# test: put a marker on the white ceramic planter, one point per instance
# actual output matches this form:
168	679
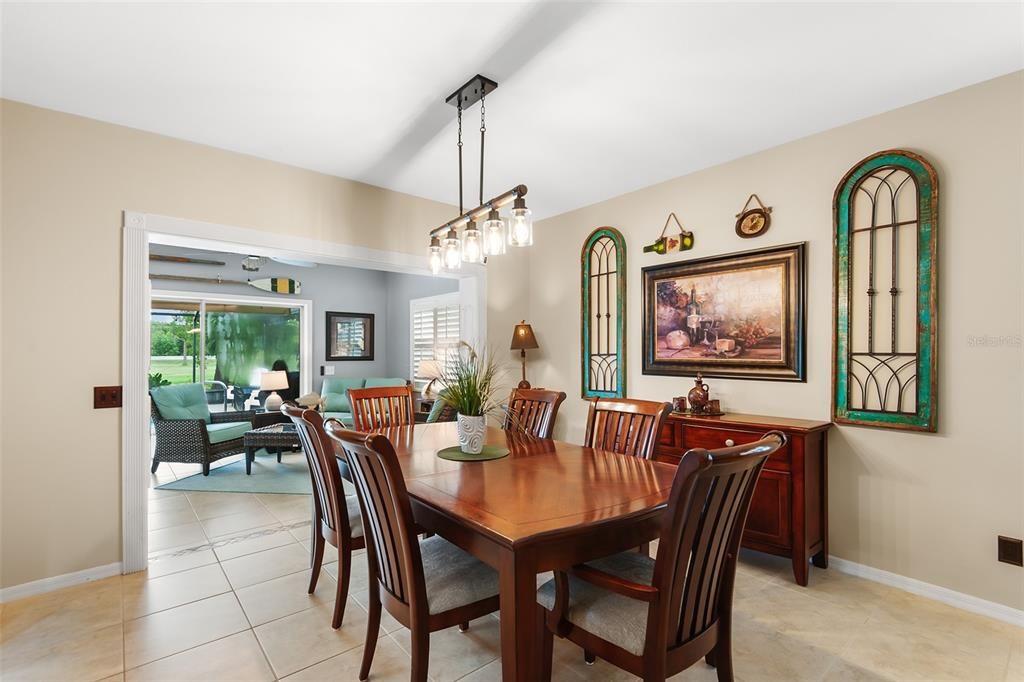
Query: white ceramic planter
471	433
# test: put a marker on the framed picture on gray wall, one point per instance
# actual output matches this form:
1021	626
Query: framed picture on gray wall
349	336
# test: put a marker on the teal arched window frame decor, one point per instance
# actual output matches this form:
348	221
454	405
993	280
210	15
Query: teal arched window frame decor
603	314
882	375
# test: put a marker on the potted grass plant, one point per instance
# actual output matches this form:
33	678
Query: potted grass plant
471	388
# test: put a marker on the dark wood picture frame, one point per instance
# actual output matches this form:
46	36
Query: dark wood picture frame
742	361
333	318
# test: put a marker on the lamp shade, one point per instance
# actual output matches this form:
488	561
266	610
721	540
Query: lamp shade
273	381
429	369
523	338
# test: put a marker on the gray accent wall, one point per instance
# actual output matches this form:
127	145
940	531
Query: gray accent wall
331	288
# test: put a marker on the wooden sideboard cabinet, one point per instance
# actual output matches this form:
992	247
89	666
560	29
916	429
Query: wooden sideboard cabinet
789	512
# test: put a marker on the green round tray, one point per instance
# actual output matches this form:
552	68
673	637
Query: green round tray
489	452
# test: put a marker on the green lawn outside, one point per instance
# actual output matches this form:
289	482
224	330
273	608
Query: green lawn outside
178	371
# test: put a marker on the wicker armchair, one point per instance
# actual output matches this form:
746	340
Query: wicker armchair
189	441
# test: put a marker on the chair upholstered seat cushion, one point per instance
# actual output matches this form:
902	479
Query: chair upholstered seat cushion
453	577
221	432
181	401
355	519
612	617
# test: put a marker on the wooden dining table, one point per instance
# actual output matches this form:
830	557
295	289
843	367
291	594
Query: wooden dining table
548	505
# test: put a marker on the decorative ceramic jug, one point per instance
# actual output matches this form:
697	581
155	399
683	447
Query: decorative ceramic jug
699	395
471	433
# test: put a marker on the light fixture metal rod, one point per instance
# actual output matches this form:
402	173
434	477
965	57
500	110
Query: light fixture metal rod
481	210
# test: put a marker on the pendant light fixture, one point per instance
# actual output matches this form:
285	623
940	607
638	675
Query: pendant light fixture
447	249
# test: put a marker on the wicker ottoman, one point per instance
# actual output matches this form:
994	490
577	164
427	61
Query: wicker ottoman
275	437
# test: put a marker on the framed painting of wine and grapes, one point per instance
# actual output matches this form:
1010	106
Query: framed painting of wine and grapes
740	315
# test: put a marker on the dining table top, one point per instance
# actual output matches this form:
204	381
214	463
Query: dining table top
543	486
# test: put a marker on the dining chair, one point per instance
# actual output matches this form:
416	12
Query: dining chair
336	517
625	426
426	585
657	617
533	411
380	407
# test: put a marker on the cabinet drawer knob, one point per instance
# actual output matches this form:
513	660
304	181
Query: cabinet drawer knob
729	442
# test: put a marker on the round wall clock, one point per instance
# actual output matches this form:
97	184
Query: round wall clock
753	222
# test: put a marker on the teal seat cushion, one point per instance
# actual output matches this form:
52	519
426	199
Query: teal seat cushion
345	417
181	401
378	382
335	392
221	432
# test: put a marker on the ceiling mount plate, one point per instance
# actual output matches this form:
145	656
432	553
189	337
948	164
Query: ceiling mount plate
471	91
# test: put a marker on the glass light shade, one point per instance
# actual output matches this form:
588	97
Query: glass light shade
520	227
435	255
452	251
494	234
472	245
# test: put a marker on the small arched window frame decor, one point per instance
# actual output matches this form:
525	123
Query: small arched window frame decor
886	293
603	314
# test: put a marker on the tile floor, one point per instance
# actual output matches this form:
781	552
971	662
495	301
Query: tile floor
225	599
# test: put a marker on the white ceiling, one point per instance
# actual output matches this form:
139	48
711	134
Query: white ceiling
594	100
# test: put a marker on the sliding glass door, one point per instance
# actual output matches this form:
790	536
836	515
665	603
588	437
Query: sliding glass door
225	346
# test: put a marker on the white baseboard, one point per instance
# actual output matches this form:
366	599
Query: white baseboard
58	581
945	595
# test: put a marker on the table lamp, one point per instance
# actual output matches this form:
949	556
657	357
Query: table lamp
428	369
273	382
523	339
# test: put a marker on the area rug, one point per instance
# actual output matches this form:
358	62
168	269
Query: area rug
290	477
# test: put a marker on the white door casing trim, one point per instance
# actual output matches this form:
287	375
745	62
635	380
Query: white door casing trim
142	229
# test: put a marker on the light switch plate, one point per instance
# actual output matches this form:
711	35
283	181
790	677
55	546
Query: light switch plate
328	370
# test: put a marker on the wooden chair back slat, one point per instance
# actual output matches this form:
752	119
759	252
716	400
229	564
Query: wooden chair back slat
393	547
700	537
381	407
533	411
328	491
628	427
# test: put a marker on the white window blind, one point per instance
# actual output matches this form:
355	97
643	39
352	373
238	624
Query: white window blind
436	330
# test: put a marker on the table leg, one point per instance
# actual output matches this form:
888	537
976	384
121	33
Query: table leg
250	455
519	639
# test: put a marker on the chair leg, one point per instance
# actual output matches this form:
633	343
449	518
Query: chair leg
464	626
317	561
344	574
589	657
420	654
709	658
547	645
722	656
372	629
156	463
206	468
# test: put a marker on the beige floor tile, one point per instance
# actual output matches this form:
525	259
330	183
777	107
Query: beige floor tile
359	578
454	654
233	523
78	655
762	653
1015	665
291	511
387	622
114	678
65	612
187	535
169	519
161	564
183	627
306	638
237	657
266	565
284	596
155	494
212	505
270	499
250	541
168	501
390	664
144	595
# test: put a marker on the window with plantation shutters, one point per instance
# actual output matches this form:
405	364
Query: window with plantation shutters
436	330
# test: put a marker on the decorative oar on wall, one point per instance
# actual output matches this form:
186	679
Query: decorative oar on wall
276	285
184	259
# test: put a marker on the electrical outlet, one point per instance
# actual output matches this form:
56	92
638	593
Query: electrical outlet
106	396
1011	551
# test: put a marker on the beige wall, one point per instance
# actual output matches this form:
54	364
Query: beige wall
66	180
924	506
